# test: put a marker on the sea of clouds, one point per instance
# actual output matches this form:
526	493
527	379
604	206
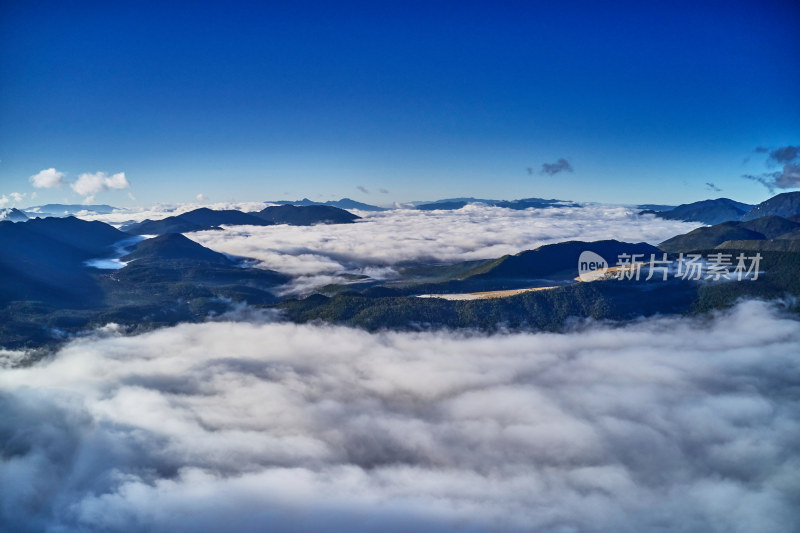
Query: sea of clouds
667	424
380	242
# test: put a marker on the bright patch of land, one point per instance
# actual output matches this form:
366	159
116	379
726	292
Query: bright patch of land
483	295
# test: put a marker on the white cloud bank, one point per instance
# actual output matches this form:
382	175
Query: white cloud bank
322	254
670	424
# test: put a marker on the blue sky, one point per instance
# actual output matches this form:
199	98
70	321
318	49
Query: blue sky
648	101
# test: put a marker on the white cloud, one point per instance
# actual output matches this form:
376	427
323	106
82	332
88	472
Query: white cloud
91	184
47	179
12	198
201	197
669	424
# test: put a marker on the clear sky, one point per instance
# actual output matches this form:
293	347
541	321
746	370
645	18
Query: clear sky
646	101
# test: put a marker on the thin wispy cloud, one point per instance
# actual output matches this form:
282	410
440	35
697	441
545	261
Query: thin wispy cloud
551	169
362	189
711	187
788	177
780	156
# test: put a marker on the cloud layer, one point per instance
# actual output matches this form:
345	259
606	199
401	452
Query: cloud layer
671	424
378	243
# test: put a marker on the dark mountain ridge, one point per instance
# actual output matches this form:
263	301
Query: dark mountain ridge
308	215
547	265
196	220
205	219
706	211
785	205
344	203
751	235
47	290
712	212
43	258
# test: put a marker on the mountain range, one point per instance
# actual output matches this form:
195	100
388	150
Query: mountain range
43	259
785	204
705	211
306	215
207	219
725	210
62	210
766	233
344	203
450	204
49	289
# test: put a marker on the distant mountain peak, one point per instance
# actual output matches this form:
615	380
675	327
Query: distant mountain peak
344	203
713	211
60	210
306	215
785	205
13	215
755	232
205	219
